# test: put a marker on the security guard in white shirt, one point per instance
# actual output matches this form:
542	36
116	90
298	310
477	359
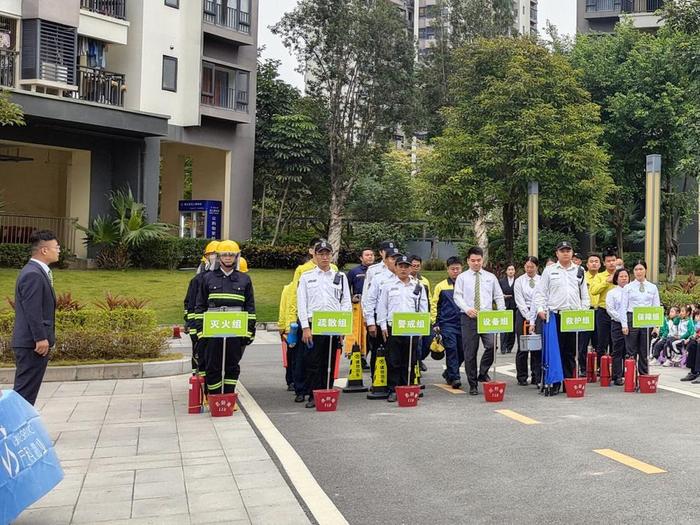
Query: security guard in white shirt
476	290
403	293
562	287
370	296
320	289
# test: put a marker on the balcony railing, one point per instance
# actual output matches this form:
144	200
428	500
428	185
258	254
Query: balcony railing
18	228
8	67
98	85
221	15
113	8
623	6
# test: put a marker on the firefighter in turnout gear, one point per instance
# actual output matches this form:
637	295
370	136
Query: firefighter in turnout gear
208	263
225	288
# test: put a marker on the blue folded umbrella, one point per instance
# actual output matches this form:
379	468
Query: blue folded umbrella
551	356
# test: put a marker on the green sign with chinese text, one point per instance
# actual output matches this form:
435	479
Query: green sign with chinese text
225	324
494	322
577	320
410	323
647	316
331	323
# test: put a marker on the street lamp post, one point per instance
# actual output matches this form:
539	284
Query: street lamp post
653	216
533	225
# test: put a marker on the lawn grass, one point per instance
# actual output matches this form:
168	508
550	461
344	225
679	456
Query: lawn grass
165	290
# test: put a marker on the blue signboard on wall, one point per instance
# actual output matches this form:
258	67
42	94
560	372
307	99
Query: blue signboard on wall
203	218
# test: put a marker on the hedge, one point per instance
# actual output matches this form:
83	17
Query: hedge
175	253
689	263
90	334
14	255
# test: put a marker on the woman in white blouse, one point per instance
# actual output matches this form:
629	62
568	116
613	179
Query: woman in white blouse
613	304
523	293
639	292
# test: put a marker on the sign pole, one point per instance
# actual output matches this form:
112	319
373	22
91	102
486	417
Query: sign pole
223	365
495	353
330	351
576	360
410	358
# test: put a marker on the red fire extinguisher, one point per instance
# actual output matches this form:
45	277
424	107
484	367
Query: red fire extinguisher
605	364
630	370
591	362
195	395
336	370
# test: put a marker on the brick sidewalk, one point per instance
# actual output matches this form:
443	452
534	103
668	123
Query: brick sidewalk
132	455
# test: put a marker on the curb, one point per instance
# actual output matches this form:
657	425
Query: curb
108	371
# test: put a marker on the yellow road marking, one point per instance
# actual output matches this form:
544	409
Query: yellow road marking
518	417
448	388
629	461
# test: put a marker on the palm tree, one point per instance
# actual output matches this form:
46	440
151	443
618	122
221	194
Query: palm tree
129	228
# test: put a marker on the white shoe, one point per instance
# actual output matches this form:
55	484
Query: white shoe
653	362
666	364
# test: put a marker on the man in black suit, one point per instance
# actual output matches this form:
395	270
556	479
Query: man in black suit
507	282
35	305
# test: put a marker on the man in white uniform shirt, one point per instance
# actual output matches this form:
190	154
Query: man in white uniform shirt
562	287
320	289
476	290
402	293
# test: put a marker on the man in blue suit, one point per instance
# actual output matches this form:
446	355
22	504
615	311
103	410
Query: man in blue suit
35	305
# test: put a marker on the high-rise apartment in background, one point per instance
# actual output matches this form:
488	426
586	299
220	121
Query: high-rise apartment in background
602	15
127	92
422	16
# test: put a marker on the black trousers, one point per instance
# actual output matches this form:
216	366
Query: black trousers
195	357
522	357
508	338
692	361
470	340
291	357
658	347
398	349
583	339
214	360
637	345
29	373
567	350
618	352
604	328
315	363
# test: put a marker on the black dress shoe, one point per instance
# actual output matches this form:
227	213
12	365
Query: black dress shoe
444	376
365	366
299	398
619	382
456	384
423	368
522	382
310	404
290	388
392	397
485	378
535	382
690	377
473	391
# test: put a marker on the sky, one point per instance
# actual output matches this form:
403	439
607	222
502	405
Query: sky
561	13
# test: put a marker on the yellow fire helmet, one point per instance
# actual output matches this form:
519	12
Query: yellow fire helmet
211	247
228	247
242	265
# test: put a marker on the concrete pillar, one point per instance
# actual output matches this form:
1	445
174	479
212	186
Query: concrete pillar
240	193
652	238
171	183
151	176
78	195
533	219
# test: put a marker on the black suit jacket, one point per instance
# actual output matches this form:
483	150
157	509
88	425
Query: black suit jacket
35	308
508	290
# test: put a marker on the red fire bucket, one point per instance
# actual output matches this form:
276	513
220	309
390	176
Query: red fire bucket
407	396
648	383
494	391
222	405
575	387
326	400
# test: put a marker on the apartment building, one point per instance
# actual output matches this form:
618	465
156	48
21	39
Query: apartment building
602	15
127	92
423	17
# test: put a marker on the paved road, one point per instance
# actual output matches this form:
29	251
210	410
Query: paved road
455	460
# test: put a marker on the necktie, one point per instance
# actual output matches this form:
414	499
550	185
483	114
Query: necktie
51	278
532	282
477	291
641	287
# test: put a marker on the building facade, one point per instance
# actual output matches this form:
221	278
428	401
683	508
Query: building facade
156	95
602	15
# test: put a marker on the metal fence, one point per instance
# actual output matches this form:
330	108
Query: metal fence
8	66
98	85
113	8
18	228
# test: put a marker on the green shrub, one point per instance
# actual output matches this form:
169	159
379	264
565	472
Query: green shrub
678	298
689	263
169	253
13	255
90	334
433	265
